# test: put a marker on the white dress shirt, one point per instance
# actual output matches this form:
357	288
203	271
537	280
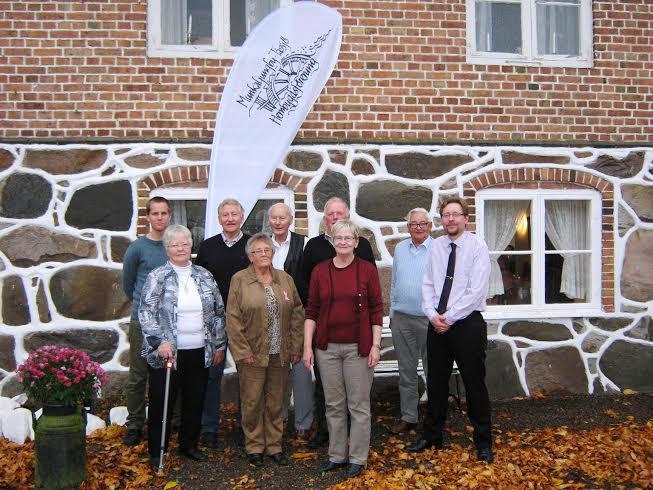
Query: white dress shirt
281	251
471	277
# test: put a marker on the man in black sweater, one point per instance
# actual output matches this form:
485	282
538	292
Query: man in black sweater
318	249
222	255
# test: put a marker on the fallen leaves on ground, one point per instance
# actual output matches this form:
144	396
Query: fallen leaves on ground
550	458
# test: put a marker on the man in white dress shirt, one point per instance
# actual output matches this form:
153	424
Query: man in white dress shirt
288	252
454	290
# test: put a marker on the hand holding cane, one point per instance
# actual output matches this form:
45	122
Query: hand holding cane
168	365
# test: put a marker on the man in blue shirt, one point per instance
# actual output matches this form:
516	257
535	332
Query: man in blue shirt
407	321
142	256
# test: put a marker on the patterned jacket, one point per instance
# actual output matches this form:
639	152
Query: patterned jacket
158	313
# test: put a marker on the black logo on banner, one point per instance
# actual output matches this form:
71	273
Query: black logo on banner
278	85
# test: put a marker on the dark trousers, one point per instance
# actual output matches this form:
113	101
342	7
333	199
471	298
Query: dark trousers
465	342
190	377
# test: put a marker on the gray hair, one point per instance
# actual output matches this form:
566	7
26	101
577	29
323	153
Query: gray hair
333	199
283	205
418	210
346	225
174	230
230	202
259	237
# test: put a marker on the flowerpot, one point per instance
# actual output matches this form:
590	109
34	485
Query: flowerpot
60	448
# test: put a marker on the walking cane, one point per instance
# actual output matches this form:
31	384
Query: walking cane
165	412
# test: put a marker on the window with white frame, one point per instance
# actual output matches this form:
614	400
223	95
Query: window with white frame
203	28
533	32
189	209
545	251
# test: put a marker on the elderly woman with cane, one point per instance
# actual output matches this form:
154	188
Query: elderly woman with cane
183	321
344	315
264	322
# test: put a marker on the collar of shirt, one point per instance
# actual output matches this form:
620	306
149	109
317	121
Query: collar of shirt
426	244
328	238
285	242
460	241
231	243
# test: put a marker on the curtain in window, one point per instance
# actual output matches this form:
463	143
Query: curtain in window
501	218
257	9
566	226
174	28
558	28
483	26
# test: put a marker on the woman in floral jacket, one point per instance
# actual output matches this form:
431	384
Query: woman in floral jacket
183	321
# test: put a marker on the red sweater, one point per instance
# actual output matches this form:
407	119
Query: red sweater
365	310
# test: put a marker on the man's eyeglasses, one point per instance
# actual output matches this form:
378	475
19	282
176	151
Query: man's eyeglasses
452	215
179	245
346	239
420	224
262	251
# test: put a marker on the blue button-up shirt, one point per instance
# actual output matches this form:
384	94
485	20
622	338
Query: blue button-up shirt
408	267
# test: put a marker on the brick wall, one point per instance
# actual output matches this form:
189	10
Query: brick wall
79	71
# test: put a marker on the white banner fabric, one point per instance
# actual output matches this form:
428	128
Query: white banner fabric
273	83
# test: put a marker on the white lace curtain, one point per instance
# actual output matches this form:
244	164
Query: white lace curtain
174	22
566	225
257	9
558	27
501	218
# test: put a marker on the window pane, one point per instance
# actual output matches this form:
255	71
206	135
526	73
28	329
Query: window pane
567	225
558	27
567	278
245	14
186	21
507	225
515	281
258	219
498	27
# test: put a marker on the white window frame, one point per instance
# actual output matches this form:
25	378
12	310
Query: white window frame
529	54
538	308
220	48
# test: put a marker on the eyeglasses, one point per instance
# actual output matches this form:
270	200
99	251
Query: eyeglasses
346	239
179	245
452	215
421	224
262	251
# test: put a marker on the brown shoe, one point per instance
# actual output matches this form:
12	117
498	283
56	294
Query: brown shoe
402	426
303	435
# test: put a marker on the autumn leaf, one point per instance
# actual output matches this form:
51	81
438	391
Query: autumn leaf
170	484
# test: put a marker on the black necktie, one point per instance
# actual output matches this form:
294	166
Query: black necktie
448	281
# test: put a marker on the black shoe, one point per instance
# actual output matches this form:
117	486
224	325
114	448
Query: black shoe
353	470
133	437
255	459
319	440
330	466
154	462
485	454
280	458
421	444
193	454
209	439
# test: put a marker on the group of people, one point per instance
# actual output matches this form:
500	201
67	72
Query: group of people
292	310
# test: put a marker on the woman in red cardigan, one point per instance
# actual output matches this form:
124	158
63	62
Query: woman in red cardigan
343	321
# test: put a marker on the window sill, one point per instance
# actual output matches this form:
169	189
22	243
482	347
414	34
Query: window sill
527	313
205	52
562	61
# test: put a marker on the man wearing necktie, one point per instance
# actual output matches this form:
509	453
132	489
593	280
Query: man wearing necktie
454	289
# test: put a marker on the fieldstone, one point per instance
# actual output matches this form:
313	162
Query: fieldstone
89	293
625	221
376	154
7	358
42	304
15	308
100	344
369	235
25	196
12	387
106	206
391	244
338	156
625	308
502	377
124	326
640	198
145	161
360	166
123	358
59	162
115	388
386	200
637	270
548	332
593	342
452	183
119	245
515	157
578	326
642	330
423	166
556	371
624	168
306	161
32	245
6	159
332	184
194	154
629	365
492	328
385	277
592	365
610	324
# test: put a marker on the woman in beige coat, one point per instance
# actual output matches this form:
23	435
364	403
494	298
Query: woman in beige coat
265	331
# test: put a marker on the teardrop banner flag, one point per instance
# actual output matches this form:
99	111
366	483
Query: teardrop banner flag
273	83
